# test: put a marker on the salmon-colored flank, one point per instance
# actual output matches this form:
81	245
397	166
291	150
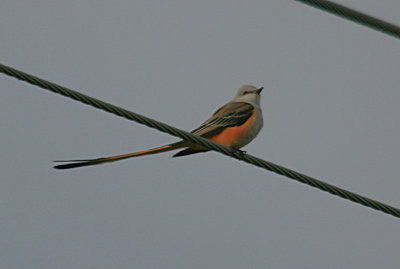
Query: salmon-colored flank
232	137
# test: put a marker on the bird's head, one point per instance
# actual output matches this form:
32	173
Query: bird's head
248	93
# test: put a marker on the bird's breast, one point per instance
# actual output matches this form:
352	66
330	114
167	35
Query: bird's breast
239	136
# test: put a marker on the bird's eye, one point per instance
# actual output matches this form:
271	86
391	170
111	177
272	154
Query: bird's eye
245	92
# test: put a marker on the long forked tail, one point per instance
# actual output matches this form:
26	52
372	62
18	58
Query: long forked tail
80	163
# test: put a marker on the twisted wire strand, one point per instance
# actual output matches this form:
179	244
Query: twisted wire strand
355	16
201	141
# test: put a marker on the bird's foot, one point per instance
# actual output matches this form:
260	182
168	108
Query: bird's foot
241	152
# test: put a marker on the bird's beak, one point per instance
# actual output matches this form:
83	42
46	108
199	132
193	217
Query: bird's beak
259	90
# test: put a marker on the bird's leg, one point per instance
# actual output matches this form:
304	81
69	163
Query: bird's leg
241	152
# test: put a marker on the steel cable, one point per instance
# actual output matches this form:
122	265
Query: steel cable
201	141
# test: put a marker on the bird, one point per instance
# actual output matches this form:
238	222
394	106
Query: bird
234	125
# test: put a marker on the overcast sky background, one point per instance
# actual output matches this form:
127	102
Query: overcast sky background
331	111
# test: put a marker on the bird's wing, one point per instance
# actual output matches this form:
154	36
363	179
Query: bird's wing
230	115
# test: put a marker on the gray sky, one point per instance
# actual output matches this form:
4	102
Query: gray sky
331	110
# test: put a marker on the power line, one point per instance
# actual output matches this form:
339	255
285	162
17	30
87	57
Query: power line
201	141
355	16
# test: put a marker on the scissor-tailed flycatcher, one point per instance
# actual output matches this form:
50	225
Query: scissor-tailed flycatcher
233	125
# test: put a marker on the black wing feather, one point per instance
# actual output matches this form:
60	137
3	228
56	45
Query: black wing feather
221	120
